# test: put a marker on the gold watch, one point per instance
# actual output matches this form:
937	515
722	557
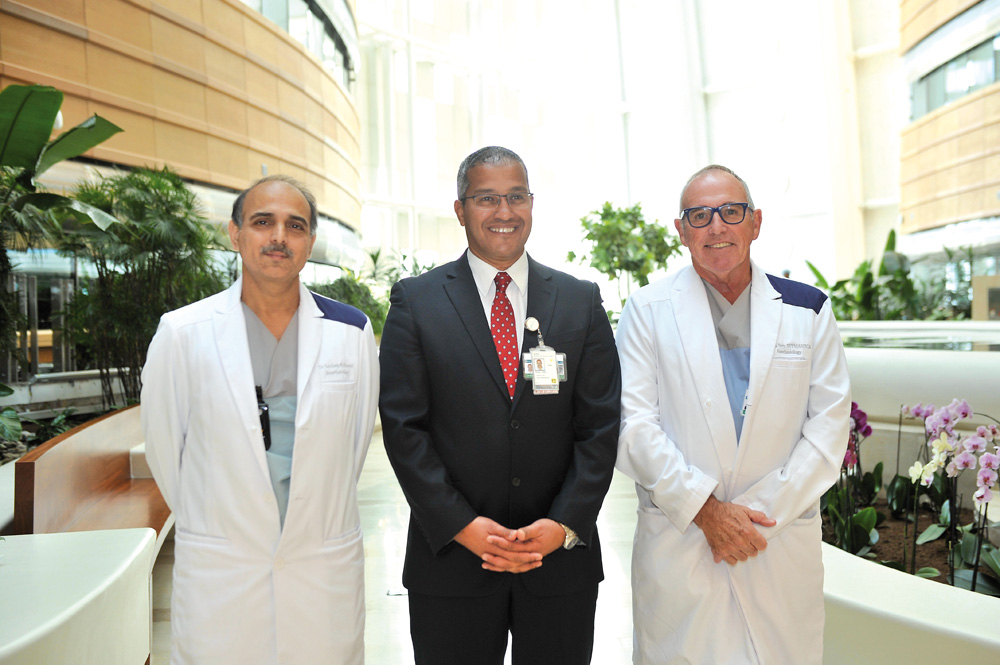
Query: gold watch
572	540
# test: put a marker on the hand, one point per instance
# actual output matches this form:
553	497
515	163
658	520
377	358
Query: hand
540	539
730	532
486	539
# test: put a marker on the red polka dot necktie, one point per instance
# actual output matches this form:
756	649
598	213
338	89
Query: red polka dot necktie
504	333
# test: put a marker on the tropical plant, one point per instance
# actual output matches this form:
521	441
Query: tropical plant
625	247
10	424
27	118
156	259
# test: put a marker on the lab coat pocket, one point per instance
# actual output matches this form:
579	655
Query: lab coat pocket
790	363
344	538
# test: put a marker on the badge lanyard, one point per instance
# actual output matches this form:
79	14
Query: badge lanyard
545	368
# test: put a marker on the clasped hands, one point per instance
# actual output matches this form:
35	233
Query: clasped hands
506	550
730	531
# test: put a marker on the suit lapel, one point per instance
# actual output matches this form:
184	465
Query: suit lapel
309	344
230	329
701	349
765	318
541	305
460	288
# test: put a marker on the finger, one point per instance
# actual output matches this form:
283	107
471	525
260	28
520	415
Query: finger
760	518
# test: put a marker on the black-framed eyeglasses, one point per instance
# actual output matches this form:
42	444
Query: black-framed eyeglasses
701	216
491	201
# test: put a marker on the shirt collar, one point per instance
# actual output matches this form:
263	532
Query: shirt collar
484	273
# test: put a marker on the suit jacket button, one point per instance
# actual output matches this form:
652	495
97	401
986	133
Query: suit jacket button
516	482
514	424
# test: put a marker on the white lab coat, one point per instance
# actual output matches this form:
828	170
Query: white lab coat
678	442
244	590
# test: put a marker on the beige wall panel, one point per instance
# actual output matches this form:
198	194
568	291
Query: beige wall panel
182	149
262	86
971	144
188	9
920	18
228	162
71	10
224	19
225	114
138	137
946	180
255	160
312	81
992	101
181	96
991	168
992	140
63	56
291	142
74	111
291	60
970	173
313	151
178	44
312	115
259	41
262	129
971	110
224	67
121	20
291	101
299	173
119	75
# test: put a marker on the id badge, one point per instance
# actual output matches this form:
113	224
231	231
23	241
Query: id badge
542	365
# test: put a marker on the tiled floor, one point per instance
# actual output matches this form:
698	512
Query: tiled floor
384	516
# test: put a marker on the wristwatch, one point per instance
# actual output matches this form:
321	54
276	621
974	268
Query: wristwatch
572	540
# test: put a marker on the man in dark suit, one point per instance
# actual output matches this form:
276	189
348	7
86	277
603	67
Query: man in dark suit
504	477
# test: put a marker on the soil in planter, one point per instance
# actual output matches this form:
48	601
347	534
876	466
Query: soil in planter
891	539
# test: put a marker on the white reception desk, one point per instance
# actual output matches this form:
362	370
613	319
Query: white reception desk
81	597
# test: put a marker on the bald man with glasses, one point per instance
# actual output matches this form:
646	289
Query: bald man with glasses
735	415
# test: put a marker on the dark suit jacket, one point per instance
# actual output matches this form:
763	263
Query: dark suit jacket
461	447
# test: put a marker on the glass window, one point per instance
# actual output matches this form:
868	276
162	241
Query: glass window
966	73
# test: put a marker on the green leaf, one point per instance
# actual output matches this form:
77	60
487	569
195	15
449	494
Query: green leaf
963	579
991	558
10	425
895	565
27	114
928	572
76	141
933	532
45	201
5	390
820	280
866	519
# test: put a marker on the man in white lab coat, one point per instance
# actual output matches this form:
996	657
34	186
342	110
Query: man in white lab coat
269	559
735	416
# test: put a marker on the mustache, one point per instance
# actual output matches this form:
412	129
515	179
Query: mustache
274	247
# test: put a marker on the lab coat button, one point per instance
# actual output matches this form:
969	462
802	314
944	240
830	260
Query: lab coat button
516	482
279	564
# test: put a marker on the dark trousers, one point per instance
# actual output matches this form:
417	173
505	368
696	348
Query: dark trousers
548	630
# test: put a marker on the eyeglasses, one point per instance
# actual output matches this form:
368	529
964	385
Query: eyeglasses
730	213
492	201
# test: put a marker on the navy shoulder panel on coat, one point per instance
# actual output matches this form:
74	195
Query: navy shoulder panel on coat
338	311
798	294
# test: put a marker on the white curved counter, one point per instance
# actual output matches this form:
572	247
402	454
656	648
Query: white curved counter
81	597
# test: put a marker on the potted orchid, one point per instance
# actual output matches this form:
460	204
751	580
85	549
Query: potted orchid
946	456
847	505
